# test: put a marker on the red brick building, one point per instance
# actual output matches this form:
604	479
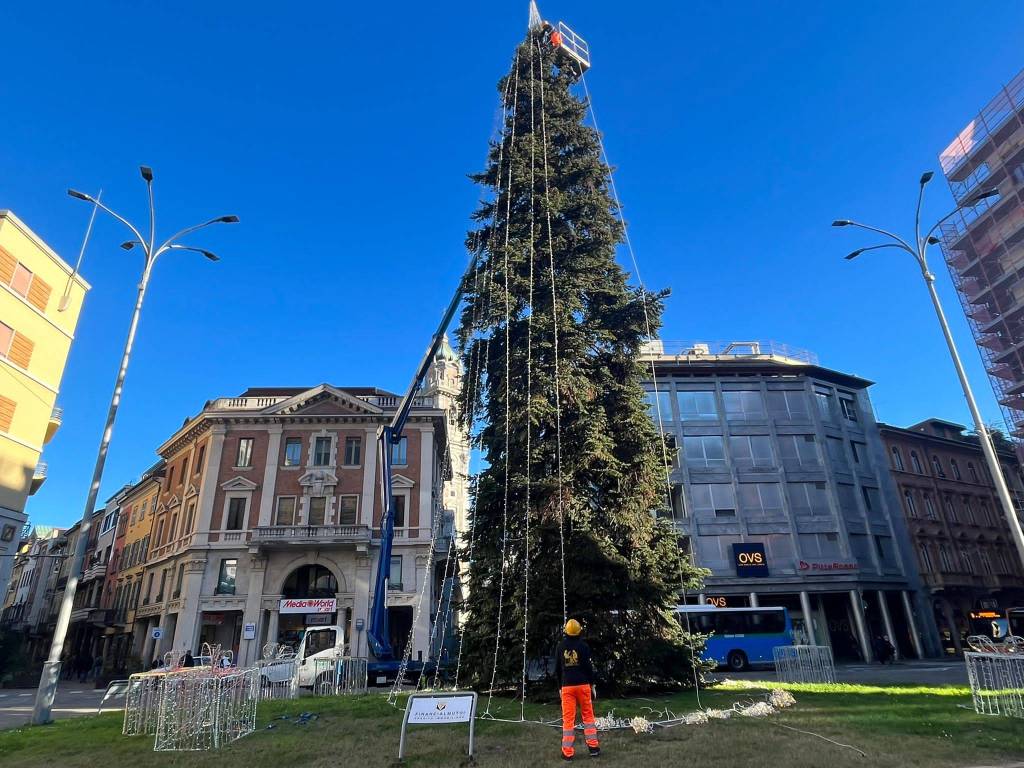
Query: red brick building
960	535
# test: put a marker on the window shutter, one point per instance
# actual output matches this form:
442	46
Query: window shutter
6	413
39	293
21	350
7	265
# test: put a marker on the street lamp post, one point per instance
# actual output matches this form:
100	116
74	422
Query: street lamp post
919	252
51	669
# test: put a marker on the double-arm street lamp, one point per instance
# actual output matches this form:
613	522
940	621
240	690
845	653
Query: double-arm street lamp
152	251
919	251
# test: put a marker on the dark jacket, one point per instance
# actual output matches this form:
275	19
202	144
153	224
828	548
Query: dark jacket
572	663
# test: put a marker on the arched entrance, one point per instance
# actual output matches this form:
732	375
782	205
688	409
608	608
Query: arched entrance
306	582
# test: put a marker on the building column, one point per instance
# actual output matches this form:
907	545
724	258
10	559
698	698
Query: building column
209	484
700	598
421	632
426	481
270	476
914	636
883	606
857	604
186	632
250	649
272	626
805	607
369	478
361	604
753	600
148	650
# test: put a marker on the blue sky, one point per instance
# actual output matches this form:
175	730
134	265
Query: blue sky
342	134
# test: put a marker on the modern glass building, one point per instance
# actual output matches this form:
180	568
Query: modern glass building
779	462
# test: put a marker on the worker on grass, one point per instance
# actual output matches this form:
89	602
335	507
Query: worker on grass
575	674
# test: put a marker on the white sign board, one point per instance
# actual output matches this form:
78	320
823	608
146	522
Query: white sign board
309	605
441	709
249	632
157	633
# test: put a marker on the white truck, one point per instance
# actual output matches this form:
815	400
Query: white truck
317	643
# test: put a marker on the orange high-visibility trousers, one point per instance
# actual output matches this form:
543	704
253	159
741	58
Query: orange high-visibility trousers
571	696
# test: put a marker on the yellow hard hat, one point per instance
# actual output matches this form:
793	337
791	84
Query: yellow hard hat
573	628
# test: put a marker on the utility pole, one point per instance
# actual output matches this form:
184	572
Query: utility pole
51	668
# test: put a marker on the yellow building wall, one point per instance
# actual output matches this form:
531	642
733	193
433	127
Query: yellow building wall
40	327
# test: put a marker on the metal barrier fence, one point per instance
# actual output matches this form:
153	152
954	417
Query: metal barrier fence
142	703
804	664
996	676
343	676
278	678
206	708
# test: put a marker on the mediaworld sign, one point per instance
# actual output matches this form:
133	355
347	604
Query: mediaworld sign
750	560
827	566
309	605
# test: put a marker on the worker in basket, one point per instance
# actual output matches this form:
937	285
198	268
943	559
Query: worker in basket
554	36
575	674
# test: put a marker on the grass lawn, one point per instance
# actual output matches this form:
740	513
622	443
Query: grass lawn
894	725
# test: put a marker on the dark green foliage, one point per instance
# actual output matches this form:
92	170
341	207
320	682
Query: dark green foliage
623	569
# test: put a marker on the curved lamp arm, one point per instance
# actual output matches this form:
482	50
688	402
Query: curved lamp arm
188	230
89	198
902	243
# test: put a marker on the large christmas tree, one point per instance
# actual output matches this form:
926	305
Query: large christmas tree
575	473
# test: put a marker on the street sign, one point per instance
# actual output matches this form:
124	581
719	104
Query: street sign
249	632
360	624
157	633
439	709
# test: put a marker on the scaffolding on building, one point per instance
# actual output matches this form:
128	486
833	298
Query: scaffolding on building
983	244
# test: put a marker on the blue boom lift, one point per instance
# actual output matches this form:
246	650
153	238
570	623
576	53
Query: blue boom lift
385	664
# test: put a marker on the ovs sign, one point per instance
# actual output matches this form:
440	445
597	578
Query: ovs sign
750	559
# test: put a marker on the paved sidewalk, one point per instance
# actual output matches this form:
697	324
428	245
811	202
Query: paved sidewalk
73	700
926	672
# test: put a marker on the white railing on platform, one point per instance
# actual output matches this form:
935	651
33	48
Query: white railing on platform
342	676
804	664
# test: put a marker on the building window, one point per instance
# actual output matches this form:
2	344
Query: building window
972	472
798	450
321	452
747	404
170	477
6	337
860	452
353	451
398	510
950	511
908	499
178	581
929	508
160	533
149	588
395	573
659	406
317	510
897	459
750	451
986	562
965	561
293	451
968	512
824	400
717	499
945	559
226	577
696	405
704	452
916	463
399	452
836	452
347	510
937	467
236	514
760	499
285	510
849	408
955	468
244	458
199	460
190	515
21	280
789	404
986	516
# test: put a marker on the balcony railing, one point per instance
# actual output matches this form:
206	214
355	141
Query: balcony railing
56	419
246	403
691	351
38	477
313	534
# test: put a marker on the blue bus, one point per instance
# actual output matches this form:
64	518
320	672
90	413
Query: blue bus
740	637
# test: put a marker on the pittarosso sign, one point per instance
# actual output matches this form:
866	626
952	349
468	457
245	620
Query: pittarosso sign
827	566
311	605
